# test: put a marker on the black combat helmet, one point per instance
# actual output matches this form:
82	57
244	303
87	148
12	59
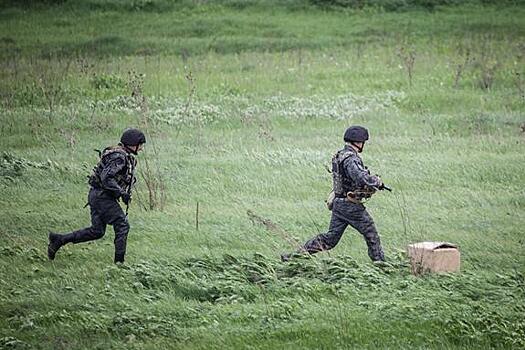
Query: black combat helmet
356	134
132	137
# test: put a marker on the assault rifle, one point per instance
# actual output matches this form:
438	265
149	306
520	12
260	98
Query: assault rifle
130	186
384	187
129	193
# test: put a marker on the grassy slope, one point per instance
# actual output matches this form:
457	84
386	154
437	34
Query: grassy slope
454	157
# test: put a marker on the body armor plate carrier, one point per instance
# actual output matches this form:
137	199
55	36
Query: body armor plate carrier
343	186
124	177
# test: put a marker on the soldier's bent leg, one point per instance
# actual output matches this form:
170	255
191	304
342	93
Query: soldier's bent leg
328	240
95	231
363	222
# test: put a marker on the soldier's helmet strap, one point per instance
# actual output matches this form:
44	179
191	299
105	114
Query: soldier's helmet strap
359	148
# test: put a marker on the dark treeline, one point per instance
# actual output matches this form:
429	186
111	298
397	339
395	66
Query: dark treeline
169	5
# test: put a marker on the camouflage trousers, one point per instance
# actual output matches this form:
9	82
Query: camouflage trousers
105	210
345	213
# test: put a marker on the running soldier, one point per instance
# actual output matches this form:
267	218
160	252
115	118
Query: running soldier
110	181
352	183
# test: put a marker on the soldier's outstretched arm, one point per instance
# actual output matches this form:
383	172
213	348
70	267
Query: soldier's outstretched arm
111	169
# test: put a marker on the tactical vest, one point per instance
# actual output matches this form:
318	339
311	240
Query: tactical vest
124	177
343	184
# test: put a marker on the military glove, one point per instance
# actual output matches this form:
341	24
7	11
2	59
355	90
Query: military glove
126	198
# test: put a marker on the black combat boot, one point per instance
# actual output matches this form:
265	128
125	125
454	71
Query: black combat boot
286	257
55	242
119	258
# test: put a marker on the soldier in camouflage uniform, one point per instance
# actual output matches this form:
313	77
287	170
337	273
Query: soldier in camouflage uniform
352	183
110	181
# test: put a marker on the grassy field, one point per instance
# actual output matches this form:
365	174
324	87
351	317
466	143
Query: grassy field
244	104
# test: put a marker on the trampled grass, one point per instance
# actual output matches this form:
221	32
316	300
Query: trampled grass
243	112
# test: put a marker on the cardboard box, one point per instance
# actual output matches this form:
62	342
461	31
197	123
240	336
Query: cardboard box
433	257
